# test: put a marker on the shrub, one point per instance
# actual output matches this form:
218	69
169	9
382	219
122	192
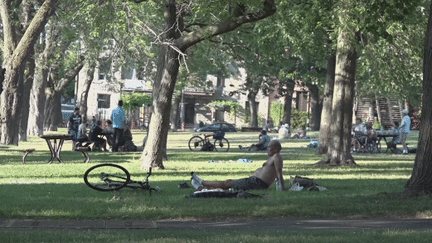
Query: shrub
298	118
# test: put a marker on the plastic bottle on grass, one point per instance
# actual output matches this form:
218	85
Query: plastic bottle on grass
278	185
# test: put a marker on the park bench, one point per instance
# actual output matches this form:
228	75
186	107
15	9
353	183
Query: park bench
84	149
27	152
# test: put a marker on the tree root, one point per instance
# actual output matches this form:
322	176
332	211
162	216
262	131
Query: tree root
328	162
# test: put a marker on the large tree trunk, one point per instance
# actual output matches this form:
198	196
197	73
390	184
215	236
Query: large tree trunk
326	111
343	97
15	57
86	88
421	177
37	100
158	128
174	42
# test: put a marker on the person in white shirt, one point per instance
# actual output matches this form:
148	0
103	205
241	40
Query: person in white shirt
404	130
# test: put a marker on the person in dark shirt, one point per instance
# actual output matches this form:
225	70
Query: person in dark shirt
74	123
94	136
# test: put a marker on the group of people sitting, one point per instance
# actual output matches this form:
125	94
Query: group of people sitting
97	134
366	133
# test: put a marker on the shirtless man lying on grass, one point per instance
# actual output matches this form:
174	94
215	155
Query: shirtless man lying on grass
262	179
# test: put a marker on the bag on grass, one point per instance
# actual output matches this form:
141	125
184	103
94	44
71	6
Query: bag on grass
207	147
305	182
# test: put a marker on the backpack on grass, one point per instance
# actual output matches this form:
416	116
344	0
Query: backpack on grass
207	146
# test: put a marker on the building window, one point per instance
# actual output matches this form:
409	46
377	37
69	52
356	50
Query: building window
101	76
104	101
104	68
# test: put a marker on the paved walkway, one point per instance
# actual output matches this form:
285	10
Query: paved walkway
221	225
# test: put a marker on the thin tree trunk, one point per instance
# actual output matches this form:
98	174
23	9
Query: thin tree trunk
326	111
253	109
421	177
315	108
28	11
53	117
288	101
28	84
86	88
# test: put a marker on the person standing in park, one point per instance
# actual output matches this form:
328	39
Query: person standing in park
405	128
73	125
118	118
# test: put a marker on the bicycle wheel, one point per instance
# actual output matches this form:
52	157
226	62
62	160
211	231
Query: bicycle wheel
370	147
106	177
378	146
221	145
355	145
196	143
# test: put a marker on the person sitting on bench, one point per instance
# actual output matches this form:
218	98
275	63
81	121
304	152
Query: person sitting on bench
262	178
82	135
94	136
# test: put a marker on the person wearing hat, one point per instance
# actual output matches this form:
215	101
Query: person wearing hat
73	125
404	129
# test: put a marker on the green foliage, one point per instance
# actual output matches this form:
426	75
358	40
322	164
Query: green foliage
231	104
377	125
298	118
135	100
276	112
69	92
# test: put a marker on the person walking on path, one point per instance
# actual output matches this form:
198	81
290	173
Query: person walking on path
73	125
262	178
404	130
118	118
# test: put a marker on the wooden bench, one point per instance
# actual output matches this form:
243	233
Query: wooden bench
27	152
84	149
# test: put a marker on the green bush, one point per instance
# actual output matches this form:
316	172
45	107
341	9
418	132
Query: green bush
298	118
277	112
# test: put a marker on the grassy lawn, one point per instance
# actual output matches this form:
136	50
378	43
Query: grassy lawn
38	190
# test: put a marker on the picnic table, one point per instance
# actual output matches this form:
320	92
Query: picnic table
55	147
384	135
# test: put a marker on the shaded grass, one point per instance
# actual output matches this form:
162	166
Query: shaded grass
57	191
223	236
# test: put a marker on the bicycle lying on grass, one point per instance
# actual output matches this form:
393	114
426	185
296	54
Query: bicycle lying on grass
111	177
220	143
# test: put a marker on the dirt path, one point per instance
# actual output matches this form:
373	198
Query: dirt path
221	225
